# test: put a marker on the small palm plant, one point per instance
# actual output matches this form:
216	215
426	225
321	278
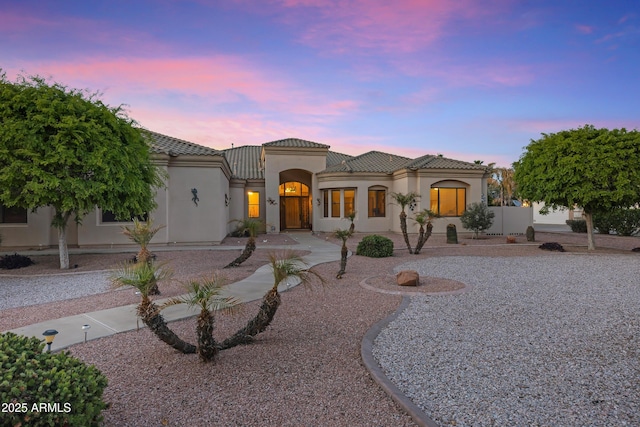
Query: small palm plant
405	200
286	265
424	218
141	233
344	236
143	276
351	216
207	295
251	227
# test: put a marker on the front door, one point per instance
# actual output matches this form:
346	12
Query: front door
294	206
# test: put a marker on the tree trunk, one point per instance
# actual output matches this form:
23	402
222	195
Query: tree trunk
207	345
591	243
422	239
343	260
403	227
246	253
151	317
270	304
352	227
60	221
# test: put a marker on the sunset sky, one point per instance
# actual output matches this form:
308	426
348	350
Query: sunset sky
469	79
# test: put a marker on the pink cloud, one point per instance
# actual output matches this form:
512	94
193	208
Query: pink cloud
401	26
207	81
585	29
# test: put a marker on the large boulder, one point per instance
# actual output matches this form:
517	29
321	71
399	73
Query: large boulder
408	278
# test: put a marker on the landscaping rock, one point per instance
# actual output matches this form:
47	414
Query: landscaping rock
408	278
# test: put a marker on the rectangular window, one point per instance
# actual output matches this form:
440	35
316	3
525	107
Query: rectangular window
253	203
335	203
376	203
13	215
325	203
349	202
448	201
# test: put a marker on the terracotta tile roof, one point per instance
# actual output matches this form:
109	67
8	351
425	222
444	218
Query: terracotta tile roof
373	161
245	161
437	162
164	144
334	158
295	142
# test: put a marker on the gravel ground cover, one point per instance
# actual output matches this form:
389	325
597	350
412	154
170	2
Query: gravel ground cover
306	368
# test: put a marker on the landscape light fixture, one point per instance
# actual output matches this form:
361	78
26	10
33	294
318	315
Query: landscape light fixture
86	328
49	335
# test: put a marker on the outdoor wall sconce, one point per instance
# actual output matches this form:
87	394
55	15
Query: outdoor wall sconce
195	198
49	335
86	328
271	201
226	199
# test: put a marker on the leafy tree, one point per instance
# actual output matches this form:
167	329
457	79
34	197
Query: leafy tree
405	200
251	227
477	218
596	169
64	148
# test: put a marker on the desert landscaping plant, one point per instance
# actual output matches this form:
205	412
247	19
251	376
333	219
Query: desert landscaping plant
285	266
577	225
10	262
143	276
531	234
425	219
452	234
477	218
70	390
375	246
351	216
250	227
344	252
405	200
206	294
141	233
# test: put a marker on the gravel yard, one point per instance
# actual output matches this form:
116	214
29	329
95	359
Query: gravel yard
559	336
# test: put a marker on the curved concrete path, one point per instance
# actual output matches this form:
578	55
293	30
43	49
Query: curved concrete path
122	319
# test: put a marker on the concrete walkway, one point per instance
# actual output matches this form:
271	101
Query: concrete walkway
122	319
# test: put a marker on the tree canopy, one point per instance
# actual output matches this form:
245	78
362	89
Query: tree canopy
65	148
595	169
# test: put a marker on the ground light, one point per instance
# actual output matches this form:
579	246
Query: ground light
49	335
86	328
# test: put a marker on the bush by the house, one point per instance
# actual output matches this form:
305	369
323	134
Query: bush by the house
623	222
10	262
70	390
577	225
375	246
477	218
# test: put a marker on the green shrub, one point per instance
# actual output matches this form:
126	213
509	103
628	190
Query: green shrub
375	246
624	222
577	225
47	389
10	262
477	218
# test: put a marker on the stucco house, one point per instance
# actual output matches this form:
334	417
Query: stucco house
290	184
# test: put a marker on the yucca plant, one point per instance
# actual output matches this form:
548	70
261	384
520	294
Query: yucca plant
405	200
424	218
344	252
351	216
285	265
141	233
207	295
143	276
251	227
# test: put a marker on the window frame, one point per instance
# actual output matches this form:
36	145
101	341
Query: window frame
374	211
436	205
15	212
253	206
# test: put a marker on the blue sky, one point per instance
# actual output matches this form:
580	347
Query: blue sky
469	79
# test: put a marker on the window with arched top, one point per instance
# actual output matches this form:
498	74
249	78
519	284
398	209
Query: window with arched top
448	198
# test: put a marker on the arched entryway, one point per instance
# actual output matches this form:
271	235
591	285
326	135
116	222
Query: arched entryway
295	206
